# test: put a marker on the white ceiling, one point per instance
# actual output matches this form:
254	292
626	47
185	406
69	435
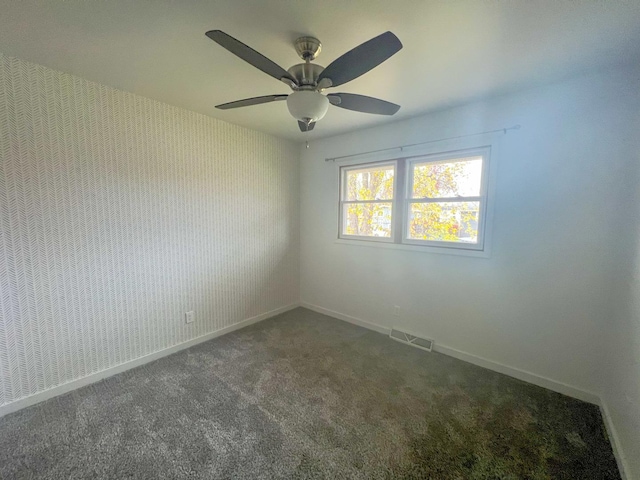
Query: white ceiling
454	51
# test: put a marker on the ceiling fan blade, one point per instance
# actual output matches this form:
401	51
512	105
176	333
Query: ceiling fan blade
249	55
362	103
304	128
251	101
361	59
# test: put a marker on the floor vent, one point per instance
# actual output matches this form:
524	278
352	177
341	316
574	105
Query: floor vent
413	340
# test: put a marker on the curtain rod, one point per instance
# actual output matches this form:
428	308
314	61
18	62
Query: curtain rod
401	147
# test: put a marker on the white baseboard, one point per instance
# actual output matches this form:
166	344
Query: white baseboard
347	318
621	459
523	375
96	377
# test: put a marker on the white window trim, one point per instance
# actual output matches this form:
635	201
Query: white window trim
342	192
485	153
492	143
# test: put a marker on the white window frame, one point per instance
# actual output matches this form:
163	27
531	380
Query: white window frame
481	199
342	202
401	201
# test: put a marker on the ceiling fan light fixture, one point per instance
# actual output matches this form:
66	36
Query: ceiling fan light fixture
307	106
307	80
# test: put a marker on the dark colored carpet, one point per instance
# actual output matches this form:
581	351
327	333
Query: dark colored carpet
306	396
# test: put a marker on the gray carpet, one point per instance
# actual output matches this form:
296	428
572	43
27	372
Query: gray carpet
303	395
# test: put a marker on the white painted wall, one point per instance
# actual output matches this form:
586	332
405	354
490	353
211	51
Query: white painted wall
543	302
117	215
621	392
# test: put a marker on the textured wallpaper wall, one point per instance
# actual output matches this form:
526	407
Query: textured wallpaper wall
118	214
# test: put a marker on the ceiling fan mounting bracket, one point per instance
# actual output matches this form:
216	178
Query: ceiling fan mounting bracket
308	48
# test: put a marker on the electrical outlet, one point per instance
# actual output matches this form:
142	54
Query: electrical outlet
396	311
189	317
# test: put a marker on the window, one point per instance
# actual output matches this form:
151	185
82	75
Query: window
435	200
367	201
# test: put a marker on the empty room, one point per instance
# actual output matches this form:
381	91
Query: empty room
291	239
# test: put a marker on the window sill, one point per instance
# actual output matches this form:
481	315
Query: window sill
416	248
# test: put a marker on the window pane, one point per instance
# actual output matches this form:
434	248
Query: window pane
367	219
444	221
371	183
457	178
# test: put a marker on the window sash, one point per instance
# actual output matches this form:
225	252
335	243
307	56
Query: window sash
478	245
438	159
390	238
343	179
343	195
441	160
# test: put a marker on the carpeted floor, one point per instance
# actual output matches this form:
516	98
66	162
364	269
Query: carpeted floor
303	395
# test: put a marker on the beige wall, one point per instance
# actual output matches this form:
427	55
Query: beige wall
119	214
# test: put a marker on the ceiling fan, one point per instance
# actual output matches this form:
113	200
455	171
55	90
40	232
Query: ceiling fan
307	103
